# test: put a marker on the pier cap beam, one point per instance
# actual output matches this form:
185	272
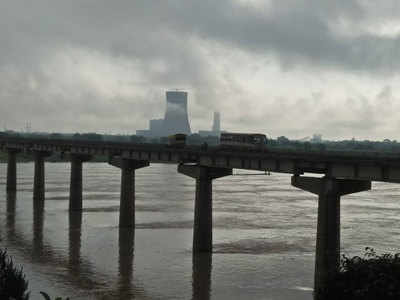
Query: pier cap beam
128	164
197	171
318	185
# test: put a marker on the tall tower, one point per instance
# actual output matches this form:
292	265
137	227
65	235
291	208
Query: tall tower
176	116
216	128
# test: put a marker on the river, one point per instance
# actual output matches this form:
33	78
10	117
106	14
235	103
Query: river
263	237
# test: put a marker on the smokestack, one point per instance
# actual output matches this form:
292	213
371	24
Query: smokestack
176	116
216	128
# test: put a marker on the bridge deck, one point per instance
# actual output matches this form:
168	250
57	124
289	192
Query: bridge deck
375	166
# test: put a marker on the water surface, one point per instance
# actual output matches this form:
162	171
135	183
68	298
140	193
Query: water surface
264	235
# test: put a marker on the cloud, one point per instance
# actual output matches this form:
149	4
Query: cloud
98	65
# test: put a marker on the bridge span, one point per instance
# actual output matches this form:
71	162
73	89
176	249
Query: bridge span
341	173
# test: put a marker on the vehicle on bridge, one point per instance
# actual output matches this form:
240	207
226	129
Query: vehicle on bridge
177	140
248	140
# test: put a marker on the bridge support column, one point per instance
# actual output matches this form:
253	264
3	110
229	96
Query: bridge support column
75	187
202	228
329	190
38	181
127	200
12	170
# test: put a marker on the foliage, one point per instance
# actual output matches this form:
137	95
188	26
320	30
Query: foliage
137	139
314	144
47	297
370	277
13	285
91	136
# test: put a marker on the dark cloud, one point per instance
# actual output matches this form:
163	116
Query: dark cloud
297	32
92	65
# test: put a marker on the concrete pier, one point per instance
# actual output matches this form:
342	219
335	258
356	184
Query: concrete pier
201	276
11	209
126	242
127	200
75	235
75	187
329	190
12	170
202	228
37	228
38	181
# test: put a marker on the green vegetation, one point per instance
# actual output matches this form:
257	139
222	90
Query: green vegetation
345	145
372	277
13	284
47	297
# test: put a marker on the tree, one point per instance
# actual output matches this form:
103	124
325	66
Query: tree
283	140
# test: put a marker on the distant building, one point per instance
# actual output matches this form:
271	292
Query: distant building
176	118
217	123
144	132
157	127
316	138
216	127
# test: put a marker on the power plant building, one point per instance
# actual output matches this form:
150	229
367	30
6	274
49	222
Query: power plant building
157	127
176	118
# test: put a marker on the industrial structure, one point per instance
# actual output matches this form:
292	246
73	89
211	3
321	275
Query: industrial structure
176	118
216	127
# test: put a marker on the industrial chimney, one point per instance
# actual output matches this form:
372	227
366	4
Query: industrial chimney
176	116
216	128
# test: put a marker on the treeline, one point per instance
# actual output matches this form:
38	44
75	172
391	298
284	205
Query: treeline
194	139
281	142
345	145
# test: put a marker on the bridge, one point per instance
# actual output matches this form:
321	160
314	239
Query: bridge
340	173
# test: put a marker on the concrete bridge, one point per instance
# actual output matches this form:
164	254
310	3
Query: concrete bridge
341	173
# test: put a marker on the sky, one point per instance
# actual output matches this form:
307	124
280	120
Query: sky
287	67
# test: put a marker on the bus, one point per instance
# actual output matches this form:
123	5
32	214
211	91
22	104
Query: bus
177	140
248	140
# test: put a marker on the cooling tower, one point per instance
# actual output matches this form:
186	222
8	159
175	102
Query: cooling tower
176	116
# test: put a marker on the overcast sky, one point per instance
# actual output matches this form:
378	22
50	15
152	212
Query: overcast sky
284	67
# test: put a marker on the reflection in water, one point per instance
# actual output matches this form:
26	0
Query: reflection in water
11	205
80	273
126	243
201	276
75	232
38	220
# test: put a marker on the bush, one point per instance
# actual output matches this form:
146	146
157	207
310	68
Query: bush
13	284
47	297
368	278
